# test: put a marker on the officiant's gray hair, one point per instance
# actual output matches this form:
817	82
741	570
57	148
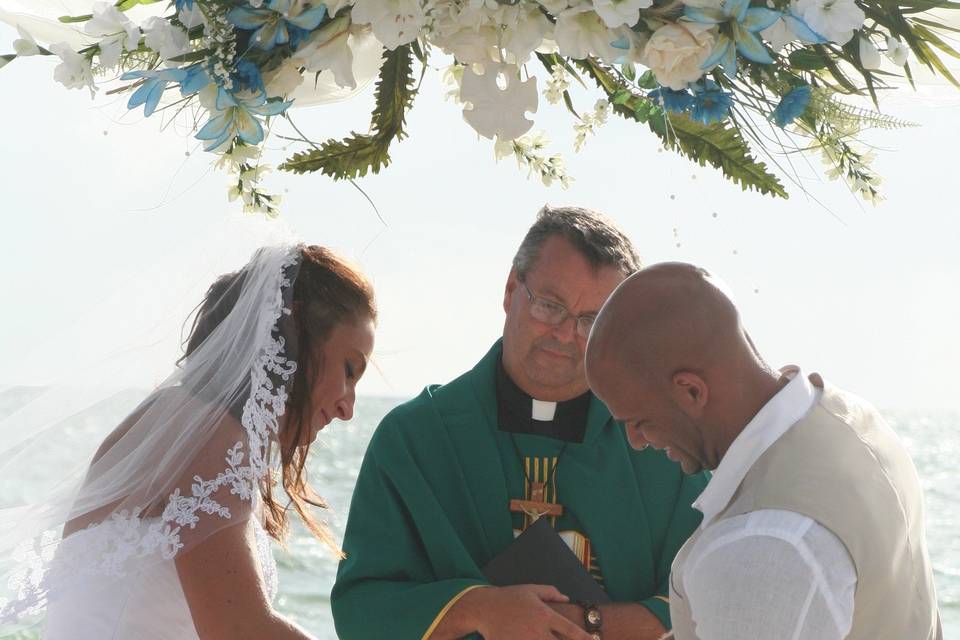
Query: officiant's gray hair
600	241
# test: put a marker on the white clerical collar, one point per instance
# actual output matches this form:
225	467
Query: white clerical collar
781	412
543	411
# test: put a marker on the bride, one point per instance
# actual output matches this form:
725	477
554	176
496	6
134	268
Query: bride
167	535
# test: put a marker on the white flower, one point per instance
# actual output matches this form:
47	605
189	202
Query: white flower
117	31
779	34
74	71
25	45
328	48
676	53
556	85
897	51
107	20
869	56
164	38
580	32
284	79
192	17
394	22
523	28
468	45
835	20
620	12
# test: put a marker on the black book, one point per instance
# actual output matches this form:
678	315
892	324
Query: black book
540	556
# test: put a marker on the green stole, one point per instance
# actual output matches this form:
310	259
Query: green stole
431	508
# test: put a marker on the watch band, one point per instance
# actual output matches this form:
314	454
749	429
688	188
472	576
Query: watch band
592	619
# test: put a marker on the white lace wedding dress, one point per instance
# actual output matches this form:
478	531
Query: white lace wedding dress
145	604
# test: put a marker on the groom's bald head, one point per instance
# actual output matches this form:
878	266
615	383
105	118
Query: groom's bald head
670	358
668	317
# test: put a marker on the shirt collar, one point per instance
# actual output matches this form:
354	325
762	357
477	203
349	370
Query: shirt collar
781	412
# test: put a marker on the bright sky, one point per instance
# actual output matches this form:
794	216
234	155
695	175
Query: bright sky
110	232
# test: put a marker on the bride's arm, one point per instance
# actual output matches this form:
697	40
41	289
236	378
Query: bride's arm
224	589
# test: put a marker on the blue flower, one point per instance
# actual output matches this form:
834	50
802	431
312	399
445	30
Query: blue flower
195	78
745	21
247	76
710	103
154	84
672	101
236	117
273	25
184	3
792	105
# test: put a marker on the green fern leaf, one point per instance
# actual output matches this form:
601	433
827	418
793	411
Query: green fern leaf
359	153
718	144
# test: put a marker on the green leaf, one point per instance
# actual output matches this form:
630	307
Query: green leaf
621	96
920	6
6	59
629	71
836	72
935	40
359	153
567	100
72	19
648	81
936	25
806	60
719	144
926	55
192	56
126	5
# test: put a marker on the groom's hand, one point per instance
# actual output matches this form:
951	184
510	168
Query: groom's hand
520	612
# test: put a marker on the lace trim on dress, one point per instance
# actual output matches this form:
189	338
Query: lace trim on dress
129	536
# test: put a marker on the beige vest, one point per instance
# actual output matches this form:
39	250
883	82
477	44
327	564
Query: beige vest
844	467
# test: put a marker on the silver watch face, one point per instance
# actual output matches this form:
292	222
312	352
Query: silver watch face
593	616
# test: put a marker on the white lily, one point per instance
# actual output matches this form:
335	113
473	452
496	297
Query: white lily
580	32
869	56
328	48
25	45
74	70
897	51
835	20
616	13
394	22
115	29
164	38
523	28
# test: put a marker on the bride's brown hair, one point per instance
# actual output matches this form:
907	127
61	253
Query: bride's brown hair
327	292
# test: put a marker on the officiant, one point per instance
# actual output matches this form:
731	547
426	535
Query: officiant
452	477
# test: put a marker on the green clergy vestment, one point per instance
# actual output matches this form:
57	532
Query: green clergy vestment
431	508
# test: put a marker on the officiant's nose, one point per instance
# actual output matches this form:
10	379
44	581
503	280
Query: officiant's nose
566	331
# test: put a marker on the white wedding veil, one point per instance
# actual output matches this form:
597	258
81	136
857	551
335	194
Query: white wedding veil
185	462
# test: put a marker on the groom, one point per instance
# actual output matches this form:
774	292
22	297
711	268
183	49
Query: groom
813	520
451	477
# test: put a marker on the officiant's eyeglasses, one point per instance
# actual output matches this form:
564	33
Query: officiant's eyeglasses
550	312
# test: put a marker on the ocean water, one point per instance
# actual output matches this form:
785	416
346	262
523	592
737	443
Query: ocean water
307	568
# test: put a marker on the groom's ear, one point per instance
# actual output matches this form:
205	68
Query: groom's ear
689	392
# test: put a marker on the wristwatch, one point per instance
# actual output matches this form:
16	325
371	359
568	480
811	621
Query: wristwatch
592	619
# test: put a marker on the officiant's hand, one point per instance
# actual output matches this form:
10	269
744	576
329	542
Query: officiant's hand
520	612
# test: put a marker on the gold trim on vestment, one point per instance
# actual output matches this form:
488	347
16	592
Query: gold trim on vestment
447	607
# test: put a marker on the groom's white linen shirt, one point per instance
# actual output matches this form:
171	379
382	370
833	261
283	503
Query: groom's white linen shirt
769	574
